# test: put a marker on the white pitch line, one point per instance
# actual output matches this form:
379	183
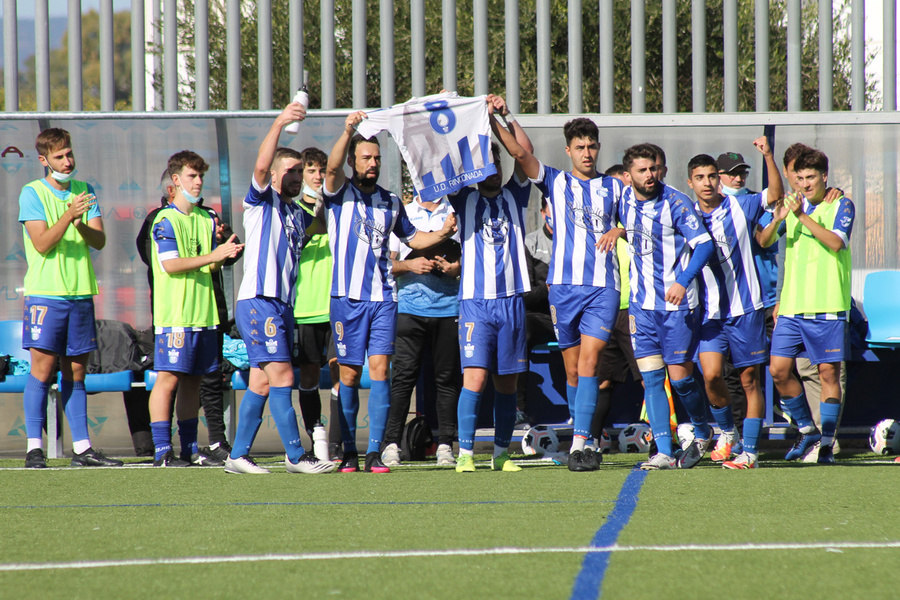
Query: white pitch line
197	560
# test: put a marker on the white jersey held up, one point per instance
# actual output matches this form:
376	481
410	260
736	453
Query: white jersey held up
445	141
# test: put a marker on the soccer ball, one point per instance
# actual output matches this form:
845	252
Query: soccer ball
540	439
605	444
635	438
685	435
884	438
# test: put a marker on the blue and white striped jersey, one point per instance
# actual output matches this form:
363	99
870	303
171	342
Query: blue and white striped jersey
582	212
276	235
660	233
493	241
731	285
359	226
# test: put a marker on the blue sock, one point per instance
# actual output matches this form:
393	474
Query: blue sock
571	393
724	417
585	405
658	409
752	428
282	409
688	392
829	410
162	438
504	418
799	410
467	417
250	414
34	402
349	398
187	433
379	405
74	401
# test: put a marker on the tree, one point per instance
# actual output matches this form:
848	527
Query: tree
528	44
90	59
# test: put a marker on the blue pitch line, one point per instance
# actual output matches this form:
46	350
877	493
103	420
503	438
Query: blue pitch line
411	503
589	582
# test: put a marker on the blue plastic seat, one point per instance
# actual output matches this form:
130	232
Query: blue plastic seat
11	343
881	296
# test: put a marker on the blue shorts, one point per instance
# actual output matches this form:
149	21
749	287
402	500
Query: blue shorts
358	326
824	340
673	334
267	327
744	335
188	352
492	335
63	327
579	310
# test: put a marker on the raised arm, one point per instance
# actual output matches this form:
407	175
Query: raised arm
262	171
776	186
334	170
514	139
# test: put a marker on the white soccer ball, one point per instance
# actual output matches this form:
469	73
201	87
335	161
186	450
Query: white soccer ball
686	435
635	438
605	443
540	439
884	438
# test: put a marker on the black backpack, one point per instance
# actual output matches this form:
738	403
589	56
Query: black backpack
417	439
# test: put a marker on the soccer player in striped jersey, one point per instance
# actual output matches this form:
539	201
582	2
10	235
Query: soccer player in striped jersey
669	246
277	229
361	215
491	309
61	223
732	298
584	276
184	255
815	301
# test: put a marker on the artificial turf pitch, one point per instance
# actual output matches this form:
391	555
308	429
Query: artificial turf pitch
782	531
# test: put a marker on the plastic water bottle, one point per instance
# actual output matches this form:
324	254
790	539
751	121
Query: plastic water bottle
320	442
303	98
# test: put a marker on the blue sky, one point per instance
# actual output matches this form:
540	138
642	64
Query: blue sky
60	8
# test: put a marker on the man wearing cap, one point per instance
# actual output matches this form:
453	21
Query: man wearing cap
733	173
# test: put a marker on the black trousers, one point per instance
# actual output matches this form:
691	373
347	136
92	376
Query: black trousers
414	335
212	398
538	330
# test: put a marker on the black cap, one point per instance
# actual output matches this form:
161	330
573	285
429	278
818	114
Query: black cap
729	161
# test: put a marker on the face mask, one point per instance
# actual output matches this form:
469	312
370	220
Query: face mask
732	191
308	191
548	222
62	177
188	197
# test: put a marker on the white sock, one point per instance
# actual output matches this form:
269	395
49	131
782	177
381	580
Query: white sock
81	446
577	443
464	452
35	444
498	450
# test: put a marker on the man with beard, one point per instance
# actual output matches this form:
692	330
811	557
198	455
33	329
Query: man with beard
276	228
361	215
669	247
